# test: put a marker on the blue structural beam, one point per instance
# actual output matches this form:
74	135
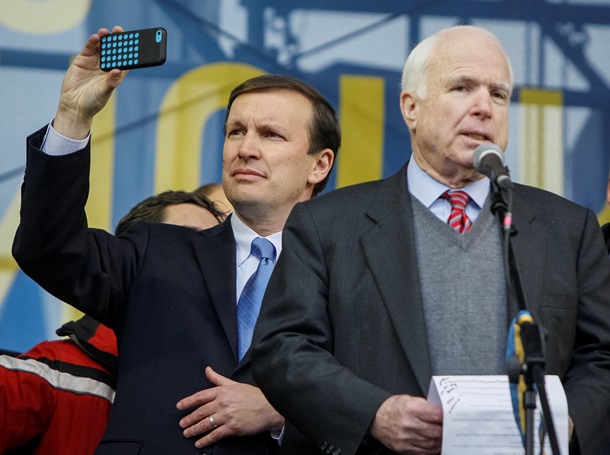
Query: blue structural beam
506	9
35	59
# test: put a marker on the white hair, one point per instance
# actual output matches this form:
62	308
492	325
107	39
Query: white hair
415	70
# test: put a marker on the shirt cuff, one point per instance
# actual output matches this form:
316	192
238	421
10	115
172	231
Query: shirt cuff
57	145
278	435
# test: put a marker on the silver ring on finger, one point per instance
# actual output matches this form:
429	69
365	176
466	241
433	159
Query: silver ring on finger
214	424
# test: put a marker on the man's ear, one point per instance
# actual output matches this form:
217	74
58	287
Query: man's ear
408	107
322	166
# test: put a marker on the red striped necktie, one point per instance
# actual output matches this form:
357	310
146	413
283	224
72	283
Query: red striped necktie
458	219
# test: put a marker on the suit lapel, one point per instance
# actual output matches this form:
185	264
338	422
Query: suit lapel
393	264
529	261
215	252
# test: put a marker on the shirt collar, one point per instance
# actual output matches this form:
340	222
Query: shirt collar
427	190
244	236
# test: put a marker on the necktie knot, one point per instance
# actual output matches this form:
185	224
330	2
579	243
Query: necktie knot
262	249
458	219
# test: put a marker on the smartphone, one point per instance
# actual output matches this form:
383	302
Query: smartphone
133	49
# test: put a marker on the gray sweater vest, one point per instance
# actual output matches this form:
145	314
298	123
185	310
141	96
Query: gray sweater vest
464	293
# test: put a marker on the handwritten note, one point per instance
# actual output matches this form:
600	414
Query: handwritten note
478	415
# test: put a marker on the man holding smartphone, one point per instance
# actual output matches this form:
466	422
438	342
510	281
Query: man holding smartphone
171	293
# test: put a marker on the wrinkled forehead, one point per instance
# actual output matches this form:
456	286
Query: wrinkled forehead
473	51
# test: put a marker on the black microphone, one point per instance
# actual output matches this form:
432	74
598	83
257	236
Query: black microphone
488	159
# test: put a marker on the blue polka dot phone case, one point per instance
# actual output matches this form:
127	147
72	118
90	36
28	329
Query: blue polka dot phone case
133	49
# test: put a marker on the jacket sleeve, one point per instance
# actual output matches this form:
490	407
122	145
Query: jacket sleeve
293	359
88	268
587	379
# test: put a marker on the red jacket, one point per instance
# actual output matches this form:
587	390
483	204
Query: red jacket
56	398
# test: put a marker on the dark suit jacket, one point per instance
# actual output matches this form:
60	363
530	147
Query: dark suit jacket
168	291
606	232
342	324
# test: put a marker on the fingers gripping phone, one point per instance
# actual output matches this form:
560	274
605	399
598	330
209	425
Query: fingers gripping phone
133	49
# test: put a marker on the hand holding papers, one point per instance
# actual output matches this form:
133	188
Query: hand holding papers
478	415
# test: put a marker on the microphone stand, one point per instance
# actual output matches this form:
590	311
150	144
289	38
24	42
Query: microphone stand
532	368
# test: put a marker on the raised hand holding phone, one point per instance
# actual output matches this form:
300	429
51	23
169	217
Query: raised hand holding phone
85	89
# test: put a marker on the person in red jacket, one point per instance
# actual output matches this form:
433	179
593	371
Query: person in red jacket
56	397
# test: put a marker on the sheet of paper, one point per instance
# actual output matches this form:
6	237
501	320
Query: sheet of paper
478	415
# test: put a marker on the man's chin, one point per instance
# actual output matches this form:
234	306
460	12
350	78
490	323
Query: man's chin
246	203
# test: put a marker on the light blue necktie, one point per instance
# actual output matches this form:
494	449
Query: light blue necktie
251	297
